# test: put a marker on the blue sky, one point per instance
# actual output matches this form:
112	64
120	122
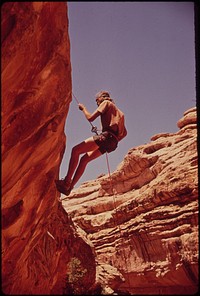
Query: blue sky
143	53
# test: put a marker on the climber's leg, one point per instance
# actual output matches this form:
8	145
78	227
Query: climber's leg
85	159
84	147
89	145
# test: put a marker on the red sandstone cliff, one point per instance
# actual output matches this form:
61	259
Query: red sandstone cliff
41	249
146	233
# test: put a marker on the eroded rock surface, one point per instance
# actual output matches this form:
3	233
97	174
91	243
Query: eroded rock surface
41	248
143	221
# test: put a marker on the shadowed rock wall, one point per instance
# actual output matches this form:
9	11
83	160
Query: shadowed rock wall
41	249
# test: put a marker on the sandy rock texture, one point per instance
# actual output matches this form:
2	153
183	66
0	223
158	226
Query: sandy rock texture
143	221
42	251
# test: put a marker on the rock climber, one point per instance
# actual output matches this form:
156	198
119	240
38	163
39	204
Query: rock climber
113	131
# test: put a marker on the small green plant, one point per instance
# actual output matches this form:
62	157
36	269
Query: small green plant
75	273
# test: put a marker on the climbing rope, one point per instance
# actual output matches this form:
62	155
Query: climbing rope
94	128
117	225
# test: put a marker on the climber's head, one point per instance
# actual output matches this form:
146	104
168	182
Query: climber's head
102	96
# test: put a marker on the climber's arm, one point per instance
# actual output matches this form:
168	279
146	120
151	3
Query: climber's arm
90	117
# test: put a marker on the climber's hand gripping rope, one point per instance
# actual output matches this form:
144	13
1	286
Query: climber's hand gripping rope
94	128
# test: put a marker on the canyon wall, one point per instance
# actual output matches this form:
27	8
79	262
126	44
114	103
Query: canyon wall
42	251
143	221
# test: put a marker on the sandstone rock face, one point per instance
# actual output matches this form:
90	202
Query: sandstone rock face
143	221
41	248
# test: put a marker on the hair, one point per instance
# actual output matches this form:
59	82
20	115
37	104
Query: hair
104	94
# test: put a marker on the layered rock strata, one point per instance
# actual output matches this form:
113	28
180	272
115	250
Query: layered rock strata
42	251
143	221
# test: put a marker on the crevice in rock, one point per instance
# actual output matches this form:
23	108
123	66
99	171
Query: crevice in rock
12	214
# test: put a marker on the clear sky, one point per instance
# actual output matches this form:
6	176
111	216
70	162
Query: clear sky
143	53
